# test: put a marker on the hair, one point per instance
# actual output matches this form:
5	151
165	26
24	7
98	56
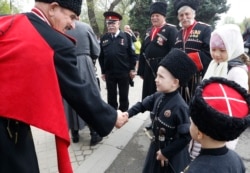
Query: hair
137	34
185	8
245	58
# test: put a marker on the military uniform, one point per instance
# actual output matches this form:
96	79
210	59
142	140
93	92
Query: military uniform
152	52
169	112
197	42
117	59
35	76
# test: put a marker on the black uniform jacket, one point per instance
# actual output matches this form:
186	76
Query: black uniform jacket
169	112
198	41
152	52
60	52
117	55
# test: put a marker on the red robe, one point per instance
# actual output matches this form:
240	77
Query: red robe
29	90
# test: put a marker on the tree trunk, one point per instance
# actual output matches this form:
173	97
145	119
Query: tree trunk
92	16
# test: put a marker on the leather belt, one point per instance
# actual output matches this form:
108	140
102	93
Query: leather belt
153	59
14	127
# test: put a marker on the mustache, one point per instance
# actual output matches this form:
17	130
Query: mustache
111	27
187	20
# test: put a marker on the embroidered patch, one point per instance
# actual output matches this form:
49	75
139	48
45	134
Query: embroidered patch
160	41
167	113
122	41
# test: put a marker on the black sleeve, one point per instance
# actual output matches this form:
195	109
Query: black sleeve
183	136
204	52
80	95
147	104
131	52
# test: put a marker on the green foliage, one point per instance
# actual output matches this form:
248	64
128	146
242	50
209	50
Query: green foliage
5	7
8	7
139	16
245	24
208	12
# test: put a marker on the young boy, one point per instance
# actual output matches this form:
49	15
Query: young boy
168	151
219	112
229	61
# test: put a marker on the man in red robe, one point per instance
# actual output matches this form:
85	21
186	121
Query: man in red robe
37	69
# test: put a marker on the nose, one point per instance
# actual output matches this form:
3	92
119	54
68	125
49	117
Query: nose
73	24
156	79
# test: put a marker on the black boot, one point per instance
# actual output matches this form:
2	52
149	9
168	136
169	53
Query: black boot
75	136
95	137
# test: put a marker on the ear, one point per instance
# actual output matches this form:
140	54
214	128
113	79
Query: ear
176	82
52	8
200	135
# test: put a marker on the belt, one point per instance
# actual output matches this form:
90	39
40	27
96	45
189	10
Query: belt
153	59
14	127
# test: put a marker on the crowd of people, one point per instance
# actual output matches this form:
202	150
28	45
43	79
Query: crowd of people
185	74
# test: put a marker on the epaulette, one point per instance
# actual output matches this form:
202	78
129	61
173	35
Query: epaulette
203	23
171	24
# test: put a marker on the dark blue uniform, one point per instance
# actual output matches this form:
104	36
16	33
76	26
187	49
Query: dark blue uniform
152	52
117	59
197	41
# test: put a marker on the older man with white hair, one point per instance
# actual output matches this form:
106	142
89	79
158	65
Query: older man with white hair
193	38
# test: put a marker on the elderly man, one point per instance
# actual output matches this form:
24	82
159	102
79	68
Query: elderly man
34	75
193	38
128	30
159	40
117	61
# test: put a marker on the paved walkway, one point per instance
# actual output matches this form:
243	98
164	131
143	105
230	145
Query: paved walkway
86	159
97	159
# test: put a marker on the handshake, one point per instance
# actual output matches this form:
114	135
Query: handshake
122	118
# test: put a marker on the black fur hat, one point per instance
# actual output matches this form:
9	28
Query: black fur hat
179	65
158	7
73	5
220	109
180	3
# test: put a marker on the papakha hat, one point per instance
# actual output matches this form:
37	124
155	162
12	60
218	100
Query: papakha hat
158	7
180	3
112	16
179	65
73	5
220	109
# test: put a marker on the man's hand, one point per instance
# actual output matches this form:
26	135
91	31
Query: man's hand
103	77
161	158
132	74
122	118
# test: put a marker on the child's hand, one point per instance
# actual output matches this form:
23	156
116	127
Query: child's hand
161	158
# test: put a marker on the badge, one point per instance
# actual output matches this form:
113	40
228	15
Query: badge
122	41
105	41
160	41
167	113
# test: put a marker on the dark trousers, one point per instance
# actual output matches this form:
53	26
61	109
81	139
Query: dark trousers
122	82
17	154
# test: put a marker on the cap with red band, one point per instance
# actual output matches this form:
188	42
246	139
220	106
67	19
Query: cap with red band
111	15
220	109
